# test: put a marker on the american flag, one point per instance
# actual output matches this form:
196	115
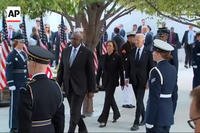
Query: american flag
104	50
96	62
43	39
24	31
63	42
4	51
43	44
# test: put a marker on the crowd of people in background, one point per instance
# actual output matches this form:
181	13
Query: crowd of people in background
136	60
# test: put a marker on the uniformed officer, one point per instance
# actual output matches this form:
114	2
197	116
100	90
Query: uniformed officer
163	34
162	93
16	75
196	61
41	108
125	51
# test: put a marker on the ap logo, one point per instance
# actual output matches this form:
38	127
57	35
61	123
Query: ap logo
13	14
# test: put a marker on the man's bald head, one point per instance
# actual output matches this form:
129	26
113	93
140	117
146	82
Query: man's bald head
76	38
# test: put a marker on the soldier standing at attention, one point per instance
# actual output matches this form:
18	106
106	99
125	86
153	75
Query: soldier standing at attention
16	75
162	99
41	108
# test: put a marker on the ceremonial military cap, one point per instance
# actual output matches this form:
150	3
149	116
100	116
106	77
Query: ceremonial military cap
162	31
18	36
39	55
21	25
37	20
130	34
162	46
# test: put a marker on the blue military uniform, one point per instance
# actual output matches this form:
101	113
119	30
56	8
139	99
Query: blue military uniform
196	63
162	99
16	75
41	108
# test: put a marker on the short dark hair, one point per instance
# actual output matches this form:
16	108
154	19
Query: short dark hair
195	93
116	30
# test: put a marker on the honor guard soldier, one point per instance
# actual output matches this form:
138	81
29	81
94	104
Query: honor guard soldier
41	108
196	61
162	93
16	75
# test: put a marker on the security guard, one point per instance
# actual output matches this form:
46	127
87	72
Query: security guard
16	75
196	61
41	108
162	92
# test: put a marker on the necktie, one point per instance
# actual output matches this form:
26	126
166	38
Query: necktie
73	56
137	56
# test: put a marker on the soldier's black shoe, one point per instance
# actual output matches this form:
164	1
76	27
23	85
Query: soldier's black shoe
134	127
13	130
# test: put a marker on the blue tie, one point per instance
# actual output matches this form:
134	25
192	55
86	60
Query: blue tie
73	56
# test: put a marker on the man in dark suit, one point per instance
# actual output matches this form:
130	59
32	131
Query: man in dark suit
174	39
138	67
76	74
187	41
148	38
119	40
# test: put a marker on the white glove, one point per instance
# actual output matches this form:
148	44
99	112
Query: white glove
12	88
126	82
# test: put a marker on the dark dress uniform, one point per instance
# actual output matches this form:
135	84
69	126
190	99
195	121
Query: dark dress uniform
196	64
162	99
41	108
16	75
112	71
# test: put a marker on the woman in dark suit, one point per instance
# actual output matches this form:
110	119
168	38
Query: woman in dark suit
112	70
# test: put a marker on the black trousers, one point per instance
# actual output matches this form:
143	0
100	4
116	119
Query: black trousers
158	129
196	78
109	102
13	112
188	54
75	104
140	110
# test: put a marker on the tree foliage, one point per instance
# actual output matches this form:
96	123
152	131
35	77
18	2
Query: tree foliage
182	11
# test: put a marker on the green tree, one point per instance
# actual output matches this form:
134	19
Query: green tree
182	11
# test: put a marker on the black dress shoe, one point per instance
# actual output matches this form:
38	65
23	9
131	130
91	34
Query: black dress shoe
185	66
14	131
114	120
83	116
142	123
125	106
131	106
102	124
134	127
